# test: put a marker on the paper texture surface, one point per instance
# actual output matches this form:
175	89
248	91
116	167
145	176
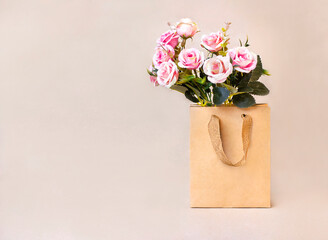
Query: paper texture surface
214	184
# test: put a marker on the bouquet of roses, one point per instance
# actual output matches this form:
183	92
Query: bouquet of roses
223	76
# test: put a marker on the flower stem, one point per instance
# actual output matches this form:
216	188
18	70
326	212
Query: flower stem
183	43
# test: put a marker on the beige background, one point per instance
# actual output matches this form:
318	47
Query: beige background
90	150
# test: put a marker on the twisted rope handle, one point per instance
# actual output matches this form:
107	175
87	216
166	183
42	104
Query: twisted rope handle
215	135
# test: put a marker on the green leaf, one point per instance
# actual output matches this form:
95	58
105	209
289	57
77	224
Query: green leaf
243	100
179	88
244	80
229	87
200	80
266	72
185	79
246	43
257	72
220	95
245	89
189	95
207	85
193	89
259	88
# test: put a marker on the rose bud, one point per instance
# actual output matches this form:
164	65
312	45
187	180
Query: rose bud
186	28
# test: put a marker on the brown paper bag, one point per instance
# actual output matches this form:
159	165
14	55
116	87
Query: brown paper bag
230	156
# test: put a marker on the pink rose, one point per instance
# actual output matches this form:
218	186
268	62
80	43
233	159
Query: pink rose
191	58
212	42
169	38
242	59
167	74
218	68
162	54
153	78
186	28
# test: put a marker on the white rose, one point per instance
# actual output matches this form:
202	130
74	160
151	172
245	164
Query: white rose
218	68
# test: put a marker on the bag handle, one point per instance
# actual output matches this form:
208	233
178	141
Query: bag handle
215	135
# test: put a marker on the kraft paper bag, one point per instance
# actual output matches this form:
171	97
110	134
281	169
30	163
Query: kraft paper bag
230	156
